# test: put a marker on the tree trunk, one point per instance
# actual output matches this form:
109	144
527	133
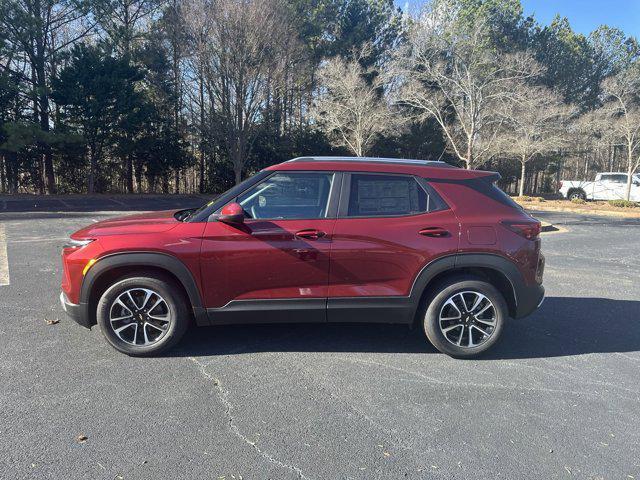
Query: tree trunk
138	178
10	162
612	152
41	174
522	174
201	97
3	187
627	191
92	171
129	174
48	170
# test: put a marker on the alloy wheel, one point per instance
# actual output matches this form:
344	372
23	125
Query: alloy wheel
467	319
140	317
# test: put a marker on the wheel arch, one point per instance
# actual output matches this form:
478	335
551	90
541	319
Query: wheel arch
498	271
110	267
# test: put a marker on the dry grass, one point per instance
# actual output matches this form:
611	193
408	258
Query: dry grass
528	199
590	207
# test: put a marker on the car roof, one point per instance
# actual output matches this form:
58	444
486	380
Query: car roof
422	168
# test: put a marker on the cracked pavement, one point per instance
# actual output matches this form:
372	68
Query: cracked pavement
559	396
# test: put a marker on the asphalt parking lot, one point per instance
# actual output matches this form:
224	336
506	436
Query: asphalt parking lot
559	397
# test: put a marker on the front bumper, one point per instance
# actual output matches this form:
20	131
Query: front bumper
76	312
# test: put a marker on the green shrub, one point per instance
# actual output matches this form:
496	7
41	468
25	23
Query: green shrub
579	201
623	203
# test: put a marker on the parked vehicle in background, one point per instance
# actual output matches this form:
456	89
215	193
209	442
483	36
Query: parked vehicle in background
607	186
316	239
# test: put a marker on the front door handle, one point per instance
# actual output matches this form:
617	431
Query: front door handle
437	232
310	233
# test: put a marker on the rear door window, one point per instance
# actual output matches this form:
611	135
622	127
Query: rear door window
614	178
375	195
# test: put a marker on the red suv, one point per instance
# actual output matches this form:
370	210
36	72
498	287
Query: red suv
316	239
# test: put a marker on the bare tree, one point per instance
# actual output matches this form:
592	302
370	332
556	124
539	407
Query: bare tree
446	71
593	132
198	31
349	108
621	93
242	63
534	124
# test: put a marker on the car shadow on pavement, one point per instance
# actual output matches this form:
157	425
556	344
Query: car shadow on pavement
565	326
562	326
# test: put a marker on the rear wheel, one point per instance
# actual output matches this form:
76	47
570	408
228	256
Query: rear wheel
143	315
465	317
577	195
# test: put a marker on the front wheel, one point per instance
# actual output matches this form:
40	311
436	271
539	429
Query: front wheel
142	315
465	317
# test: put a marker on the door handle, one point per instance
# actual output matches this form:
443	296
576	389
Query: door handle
437	232
310	233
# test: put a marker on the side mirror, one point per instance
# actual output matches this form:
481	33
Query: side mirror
232	214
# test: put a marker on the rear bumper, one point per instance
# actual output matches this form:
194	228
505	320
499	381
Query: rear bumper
76	312
528	300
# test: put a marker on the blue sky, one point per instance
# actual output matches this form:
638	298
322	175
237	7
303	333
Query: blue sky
585	15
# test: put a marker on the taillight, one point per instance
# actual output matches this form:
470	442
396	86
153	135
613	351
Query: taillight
559	184
530	230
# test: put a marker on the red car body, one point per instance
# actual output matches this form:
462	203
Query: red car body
331	269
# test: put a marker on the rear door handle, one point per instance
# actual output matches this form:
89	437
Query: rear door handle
310	233
434	232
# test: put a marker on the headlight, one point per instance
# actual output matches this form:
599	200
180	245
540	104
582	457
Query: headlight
71	243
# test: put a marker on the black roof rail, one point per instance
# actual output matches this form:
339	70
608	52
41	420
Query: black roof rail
405	161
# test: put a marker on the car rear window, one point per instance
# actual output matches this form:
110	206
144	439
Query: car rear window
486	186
503	197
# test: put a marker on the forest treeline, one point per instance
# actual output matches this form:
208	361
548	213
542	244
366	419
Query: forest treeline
192	96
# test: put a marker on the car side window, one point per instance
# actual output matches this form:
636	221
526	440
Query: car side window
614	178
619	179
385	195
285	196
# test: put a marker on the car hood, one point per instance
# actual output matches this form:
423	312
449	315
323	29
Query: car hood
152	222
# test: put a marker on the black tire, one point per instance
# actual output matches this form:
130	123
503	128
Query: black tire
435	305
577	194
174	308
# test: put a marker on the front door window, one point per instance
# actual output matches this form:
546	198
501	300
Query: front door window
289	196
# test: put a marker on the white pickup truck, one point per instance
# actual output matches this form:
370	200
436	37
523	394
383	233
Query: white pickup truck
607	186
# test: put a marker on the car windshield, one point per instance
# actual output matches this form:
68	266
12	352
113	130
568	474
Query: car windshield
232	192
199	209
